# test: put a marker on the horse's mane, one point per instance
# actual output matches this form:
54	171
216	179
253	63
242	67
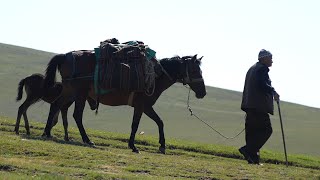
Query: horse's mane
174	58
178	59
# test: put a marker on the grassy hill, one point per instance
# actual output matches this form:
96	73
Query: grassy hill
24	157
220	108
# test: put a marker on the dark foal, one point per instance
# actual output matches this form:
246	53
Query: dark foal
33	85
185	70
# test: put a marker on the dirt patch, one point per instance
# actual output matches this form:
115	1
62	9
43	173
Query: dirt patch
140	171
7	168
110	169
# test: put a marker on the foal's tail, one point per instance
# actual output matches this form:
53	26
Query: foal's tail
20	90
50	77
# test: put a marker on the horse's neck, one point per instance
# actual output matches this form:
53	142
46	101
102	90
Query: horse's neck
169	76
163	83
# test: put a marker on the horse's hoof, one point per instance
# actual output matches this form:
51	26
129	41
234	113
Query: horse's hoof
17	132
90	143
133	147
93	146
66	139
44	135
136	151
28	133
162	150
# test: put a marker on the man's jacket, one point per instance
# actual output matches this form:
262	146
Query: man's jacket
258	92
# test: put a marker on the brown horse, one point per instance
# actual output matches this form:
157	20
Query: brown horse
33	85
185	70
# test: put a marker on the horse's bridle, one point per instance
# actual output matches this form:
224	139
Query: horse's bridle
186	79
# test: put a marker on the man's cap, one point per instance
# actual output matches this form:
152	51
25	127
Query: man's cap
264	53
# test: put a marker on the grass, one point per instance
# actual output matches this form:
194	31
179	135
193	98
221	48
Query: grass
25	157
220	108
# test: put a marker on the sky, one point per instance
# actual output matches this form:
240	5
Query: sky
228	33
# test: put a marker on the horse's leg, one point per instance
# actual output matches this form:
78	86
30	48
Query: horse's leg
138	110
55	119
149	111
26	122
22	109
64	114
54	109
78	114
20	112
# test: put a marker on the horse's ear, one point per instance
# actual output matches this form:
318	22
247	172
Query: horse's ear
195	56
200	58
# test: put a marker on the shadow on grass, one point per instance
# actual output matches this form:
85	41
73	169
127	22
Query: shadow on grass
60	141
145	146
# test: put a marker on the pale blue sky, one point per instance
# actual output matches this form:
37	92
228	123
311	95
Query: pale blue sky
228	33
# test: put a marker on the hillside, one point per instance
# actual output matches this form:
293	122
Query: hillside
220	108
24	157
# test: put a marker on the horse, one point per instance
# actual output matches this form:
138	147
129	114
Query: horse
33	85
184	70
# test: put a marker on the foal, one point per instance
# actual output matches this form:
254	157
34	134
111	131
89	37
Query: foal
33	85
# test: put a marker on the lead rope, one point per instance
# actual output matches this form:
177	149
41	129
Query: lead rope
150	78
192	114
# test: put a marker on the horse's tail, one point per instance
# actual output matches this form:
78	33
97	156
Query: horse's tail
20	90
50	77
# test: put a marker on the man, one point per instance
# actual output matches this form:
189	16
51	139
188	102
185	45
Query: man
257	102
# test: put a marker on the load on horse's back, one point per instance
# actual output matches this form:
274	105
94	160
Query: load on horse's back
126	67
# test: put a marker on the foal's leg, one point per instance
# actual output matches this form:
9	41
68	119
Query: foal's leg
23	109
64	114
78	114
54	109
149	111
26	123
134	127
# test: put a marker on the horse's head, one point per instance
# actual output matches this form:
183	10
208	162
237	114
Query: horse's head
191	74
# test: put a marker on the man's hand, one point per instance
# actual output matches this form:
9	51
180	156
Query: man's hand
276	96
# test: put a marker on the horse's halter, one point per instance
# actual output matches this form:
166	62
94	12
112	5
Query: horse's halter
186	79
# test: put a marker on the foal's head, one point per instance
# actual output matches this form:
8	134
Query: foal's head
191	74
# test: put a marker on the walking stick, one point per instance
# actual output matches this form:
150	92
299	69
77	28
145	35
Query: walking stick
284	143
